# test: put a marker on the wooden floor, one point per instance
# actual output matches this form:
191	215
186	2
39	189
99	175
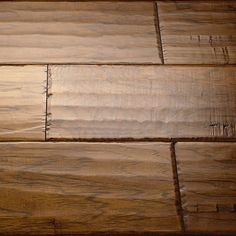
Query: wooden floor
118	117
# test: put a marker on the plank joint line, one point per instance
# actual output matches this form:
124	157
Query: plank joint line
46	106
178	199
158	32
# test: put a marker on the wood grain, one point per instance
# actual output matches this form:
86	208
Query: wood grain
198	32
141	101
78	32
207	174
86	187
22	102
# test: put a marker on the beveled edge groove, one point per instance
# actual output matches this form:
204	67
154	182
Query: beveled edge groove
106	0
178	199
157	139
127	140
116	64
171	233
46	106
158	32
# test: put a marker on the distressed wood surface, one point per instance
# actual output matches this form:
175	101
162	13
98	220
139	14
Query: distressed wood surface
78	32
207	175
138	102
86	187
198	32
22	102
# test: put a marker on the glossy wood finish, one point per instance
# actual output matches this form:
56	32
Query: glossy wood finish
207	175
138	102
198	32
22	102
86	187
78	32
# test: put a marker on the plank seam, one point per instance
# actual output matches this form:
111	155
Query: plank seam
128	140
178	200
47	123
121	64
46	106
158	32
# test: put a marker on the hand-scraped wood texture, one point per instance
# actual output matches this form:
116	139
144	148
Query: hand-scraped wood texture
78	32
22	102
198	32
86	187
138	102
207	175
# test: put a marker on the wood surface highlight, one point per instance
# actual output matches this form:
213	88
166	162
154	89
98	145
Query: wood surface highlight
77	32
22	102
141	102
56	188
207	175
198	32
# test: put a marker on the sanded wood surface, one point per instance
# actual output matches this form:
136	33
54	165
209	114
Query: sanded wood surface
138	102
22	102
198	32
207	175
78	32
86	187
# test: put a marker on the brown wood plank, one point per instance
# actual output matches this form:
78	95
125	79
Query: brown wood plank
198	32
141	101
78	32
207	175
22	102
86	187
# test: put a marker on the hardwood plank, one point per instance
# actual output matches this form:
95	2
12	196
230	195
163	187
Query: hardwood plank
207	175
198	32
78	32
86	187
22	102
141	101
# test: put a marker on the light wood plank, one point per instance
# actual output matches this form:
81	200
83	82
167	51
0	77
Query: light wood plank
86	187
207	174
141	101
78	32
198	32
22	102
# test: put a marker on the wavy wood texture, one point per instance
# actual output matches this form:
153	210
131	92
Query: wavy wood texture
207	175
78	32
22	102
139	102
198	32
86	187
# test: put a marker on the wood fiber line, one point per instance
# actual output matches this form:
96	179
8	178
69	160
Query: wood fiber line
136	102
22	102
64	188
198	32
77	32
208	185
